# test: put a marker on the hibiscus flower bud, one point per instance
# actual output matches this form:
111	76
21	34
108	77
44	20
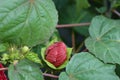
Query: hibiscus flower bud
2	74
56	54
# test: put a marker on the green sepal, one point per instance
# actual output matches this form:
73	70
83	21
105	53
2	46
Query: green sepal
33	57
52	42
69	51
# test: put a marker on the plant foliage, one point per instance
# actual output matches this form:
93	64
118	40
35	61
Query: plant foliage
24	21
28	28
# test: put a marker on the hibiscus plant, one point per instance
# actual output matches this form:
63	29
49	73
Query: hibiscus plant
34	47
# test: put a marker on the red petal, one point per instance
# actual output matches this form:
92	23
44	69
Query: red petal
56	53
51	56
2	74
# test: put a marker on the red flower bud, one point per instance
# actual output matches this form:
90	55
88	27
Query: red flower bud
2	74
56	53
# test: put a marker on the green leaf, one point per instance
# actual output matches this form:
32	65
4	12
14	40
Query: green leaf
84	66
27	22
63	76
3	47
102	10
24	70
104	40
115	3
82	4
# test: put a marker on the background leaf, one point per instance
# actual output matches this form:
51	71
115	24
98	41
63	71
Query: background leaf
104	39
115	3
24	70
84	16
84	66
71	15
27	22
82	4
60	3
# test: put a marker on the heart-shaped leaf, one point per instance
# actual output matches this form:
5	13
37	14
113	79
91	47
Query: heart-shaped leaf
24	70
84	66
27	22
104	40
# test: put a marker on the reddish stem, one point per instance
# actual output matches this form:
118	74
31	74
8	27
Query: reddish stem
73	41
73	25
3	69
44	74
79	47
50	75
116	12
85	50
